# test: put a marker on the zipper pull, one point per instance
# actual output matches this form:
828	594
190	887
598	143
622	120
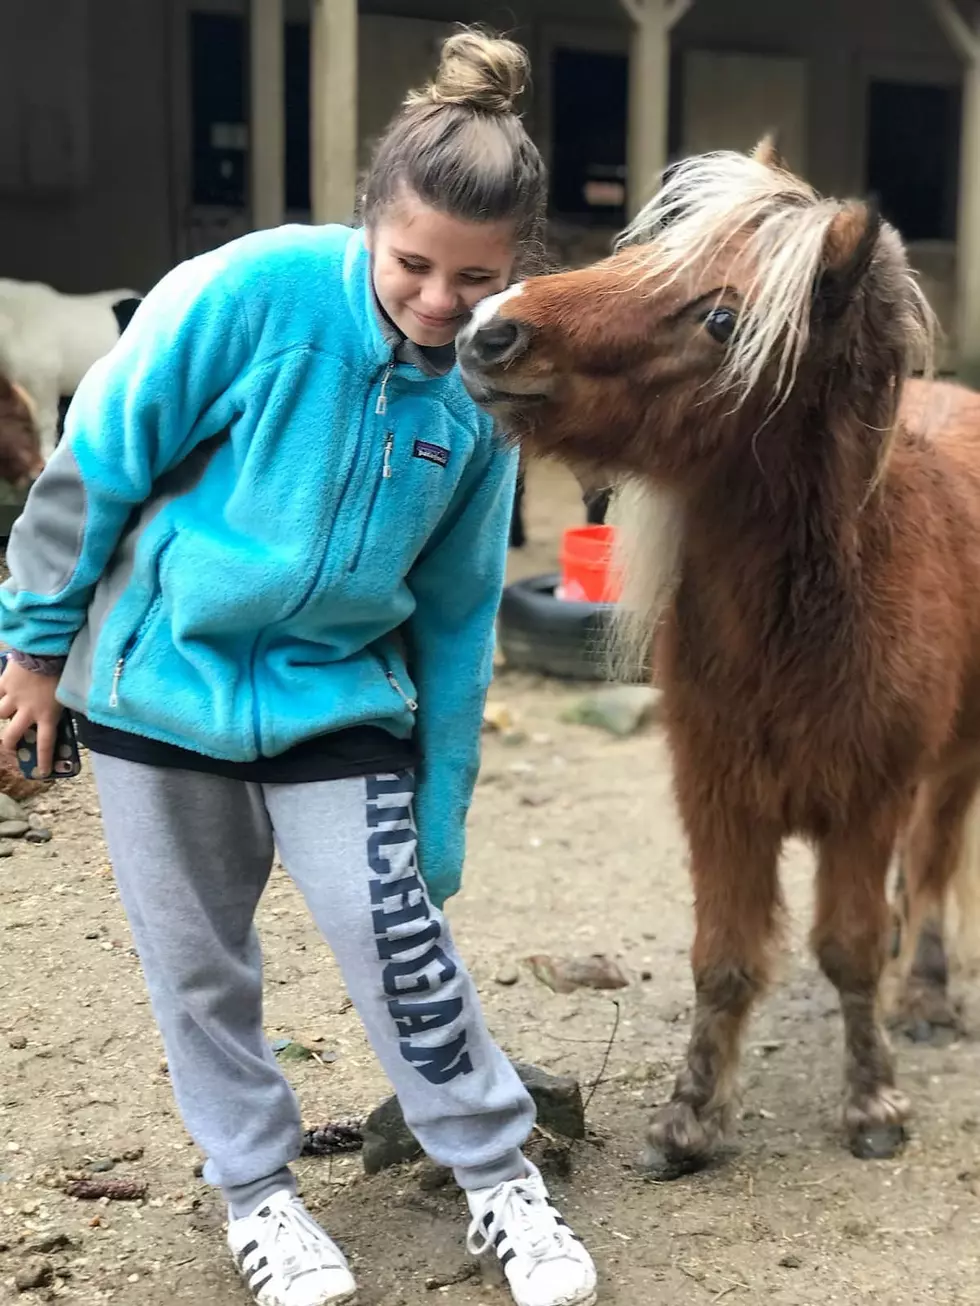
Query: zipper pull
116	677
389	445
381	407
410	703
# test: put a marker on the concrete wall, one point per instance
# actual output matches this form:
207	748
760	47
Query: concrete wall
115	228
845	42
122	225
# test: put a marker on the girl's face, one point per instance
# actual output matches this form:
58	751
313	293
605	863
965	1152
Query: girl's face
431	270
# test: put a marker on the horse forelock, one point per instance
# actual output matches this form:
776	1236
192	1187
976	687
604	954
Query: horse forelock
768	230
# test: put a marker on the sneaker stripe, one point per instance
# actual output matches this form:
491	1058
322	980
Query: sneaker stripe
507	1256
256	1288
258	1268
245	1253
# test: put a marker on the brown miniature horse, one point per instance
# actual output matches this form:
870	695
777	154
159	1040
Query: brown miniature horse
805	527
20	443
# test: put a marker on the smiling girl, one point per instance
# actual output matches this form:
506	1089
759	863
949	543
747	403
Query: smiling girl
263	569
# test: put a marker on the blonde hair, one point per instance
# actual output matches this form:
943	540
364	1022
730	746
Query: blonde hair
459	144
480	71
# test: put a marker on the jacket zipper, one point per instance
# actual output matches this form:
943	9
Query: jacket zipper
385	475
141	629
131	643
410	703
381	407
116	677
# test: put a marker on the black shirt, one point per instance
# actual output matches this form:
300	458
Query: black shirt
356	751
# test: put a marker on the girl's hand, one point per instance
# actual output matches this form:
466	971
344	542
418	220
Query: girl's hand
27	699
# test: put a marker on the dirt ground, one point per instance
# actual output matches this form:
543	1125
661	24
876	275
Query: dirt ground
574	849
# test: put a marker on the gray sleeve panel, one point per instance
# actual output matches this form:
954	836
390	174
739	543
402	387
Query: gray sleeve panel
46	539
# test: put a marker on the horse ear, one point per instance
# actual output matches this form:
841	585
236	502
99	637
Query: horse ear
768	154
849	247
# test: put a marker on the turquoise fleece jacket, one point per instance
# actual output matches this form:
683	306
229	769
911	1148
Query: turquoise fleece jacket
260	527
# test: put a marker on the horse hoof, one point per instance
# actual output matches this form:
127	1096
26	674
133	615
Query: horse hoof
656	1164
878	1142
927	1031
875	1123
928	1017
679	1142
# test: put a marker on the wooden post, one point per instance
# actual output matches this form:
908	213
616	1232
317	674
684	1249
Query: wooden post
267	113
964	35
333	105
649	94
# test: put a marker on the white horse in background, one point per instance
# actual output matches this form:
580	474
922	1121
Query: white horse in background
49	340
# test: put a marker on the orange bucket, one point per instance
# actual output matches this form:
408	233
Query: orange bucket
587	574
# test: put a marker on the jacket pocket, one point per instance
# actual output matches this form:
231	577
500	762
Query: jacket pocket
146	621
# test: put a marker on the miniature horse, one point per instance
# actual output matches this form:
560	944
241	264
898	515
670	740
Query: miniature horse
20	445
805	528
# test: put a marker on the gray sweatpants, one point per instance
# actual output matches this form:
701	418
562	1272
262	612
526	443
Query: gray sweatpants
192	854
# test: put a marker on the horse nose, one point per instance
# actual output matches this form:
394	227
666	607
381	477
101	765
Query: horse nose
498	343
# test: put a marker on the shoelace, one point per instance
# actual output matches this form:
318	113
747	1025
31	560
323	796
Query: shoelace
293	1223
520	1208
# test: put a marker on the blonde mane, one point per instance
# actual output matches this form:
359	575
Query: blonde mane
649	524
711	200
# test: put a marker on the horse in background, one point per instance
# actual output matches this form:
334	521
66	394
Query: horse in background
21	461
49	340
801	526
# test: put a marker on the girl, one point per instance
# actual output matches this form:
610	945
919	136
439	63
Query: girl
271	549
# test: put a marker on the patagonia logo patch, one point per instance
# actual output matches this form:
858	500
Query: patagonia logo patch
432	453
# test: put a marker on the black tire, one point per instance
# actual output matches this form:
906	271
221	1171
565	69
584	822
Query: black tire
538	632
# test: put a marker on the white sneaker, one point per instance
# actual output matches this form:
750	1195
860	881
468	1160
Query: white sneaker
285	1257
545	1263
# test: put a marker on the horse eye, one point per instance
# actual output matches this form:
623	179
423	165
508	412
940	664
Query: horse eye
720	324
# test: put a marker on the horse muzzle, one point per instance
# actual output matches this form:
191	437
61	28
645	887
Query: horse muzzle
491	350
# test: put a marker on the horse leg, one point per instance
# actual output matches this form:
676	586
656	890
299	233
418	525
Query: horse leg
850	938
935	846
597	506
518	535
736	893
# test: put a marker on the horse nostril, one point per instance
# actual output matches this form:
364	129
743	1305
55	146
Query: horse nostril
500	341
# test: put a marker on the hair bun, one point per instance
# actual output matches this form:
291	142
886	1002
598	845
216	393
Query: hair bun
478	71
